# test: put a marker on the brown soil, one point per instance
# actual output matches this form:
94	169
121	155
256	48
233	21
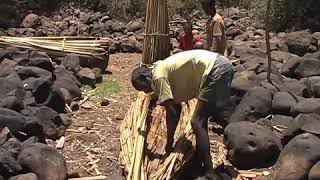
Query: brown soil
92	141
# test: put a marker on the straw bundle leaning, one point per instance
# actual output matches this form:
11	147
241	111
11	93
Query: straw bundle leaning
84	46
156	40
143	141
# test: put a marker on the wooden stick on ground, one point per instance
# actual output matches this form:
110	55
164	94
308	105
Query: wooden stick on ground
90	178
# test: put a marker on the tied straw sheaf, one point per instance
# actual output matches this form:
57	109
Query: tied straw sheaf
143	137
83	46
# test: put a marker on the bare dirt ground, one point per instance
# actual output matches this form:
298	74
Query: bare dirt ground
92	141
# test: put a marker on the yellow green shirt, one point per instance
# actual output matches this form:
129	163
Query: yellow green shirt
180	76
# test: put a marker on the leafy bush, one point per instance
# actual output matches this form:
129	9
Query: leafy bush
296	14
182	7
285	13
118	9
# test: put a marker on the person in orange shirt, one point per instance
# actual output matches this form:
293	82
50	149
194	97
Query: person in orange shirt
215	28
188	41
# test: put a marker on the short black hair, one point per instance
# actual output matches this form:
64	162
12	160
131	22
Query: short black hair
187	23
208	2
139	76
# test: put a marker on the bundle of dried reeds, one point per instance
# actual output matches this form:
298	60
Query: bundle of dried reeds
143	141
85	46
156	40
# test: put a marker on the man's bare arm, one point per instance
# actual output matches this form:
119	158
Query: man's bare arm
217	45
172	118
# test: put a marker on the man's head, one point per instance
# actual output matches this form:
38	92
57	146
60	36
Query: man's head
209	7
141	79
187	27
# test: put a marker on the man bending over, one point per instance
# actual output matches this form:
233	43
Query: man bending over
181	77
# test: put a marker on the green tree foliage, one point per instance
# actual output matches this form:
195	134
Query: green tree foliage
297	14
286	14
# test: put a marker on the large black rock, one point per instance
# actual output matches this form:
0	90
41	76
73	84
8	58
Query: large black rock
298	157
254	105
308	105
26	72
50	121
243	82
282	103
67	81
298	42
9	84
13	146
251	145
303	123
8	165
46	162
13	120
314	173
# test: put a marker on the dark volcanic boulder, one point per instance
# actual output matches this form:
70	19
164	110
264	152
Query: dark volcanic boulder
281	56
282	103
31	21
307	67
134	26
297	88
254	105
55	100
43	63
314	173
46	162
243	82
303	123
315	55
13	146
251	145
6	68
9	84
298	42
241	51
289	66
8	165
87	76
13	120
298	157
282	120
40	88
71	62
306	106
117	27
50	121
26	72
315	86
12	102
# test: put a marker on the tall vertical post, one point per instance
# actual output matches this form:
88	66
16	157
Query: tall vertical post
156	37
268	41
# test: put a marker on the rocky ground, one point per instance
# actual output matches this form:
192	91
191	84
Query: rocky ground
43	98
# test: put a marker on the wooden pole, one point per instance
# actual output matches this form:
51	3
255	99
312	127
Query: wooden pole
156	37
268	41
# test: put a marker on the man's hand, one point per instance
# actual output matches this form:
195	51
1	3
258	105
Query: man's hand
172	118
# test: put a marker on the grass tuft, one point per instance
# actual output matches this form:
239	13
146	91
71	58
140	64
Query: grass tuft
107	88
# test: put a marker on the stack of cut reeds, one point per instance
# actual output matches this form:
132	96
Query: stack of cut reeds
143	138
84	46
156	36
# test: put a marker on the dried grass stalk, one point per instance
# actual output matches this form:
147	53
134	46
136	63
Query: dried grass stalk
145	159
84	46
156	40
